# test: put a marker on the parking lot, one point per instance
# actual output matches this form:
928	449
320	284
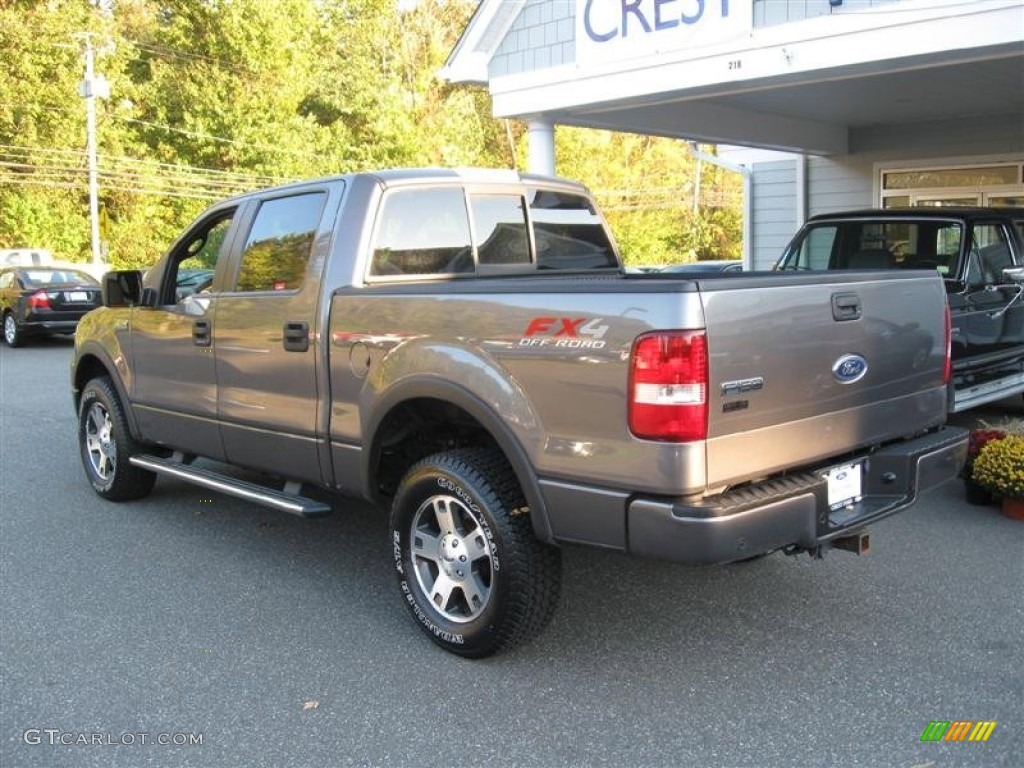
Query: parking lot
277	641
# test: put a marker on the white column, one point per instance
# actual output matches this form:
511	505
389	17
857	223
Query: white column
541	148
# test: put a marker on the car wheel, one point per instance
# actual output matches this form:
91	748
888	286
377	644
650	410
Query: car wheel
106	445
12	333
470	570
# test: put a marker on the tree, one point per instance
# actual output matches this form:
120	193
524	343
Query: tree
213	97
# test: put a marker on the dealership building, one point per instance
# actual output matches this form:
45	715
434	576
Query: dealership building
821	105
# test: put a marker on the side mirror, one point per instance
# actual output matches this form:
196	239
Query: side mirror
1014	275
122	288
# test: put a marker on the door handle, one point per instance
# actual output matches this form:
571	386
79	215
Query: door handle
296	337
201	333
846	306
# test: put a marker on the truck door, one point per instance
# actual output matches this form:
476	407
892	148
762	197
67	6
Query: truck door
174	382
990	329
264	340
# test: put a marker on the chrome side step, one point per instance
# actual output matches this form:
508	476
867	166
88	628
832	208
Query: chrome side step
989	392
287	500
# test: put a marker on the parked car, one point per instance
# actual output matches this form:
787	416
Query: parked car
711	265
192	281
36	301
979	252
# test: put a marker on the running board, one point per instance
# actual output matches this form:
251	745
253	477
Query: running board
285	501
989	392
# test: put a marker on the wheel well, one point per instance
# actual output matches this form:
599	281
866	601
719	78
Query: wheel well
88	368
417	428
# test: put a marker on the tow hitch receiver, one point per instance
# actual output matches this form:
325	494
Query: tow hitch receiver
858	542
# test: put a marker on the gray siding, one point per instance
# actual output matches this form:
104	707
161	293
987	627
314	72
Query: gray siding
543	36
773	210
544	33
835	183
768	13
842	182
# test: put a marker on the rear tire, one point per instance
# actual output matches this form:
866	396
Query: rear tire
106	444
470	570
12	333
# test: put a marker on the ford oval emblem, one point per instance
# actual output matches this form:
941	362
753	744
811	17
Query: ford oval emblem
849	368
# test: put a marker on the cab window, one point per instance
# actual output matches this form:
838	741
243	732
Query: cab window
423	232
280	242
192	265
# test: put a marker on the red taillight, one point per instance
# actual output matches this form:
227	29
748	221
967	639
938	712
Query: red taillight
668	387
39	300
947	368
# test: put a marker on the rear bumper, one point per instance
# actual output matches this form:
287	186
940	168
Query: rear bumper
793	510
35	327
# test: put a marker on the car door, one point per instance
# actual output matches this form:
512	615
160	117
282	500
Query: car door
174	385
264	339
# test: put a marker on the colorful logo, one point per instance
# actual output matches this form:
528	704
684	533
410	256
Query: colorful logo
958	730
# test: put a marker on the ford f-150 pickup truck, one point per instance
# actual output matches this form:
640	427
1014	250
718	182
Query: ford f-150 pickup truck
464	348
979	252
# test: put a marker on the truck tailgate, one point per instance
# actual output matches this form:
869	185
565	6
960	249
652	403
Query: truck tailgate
798	373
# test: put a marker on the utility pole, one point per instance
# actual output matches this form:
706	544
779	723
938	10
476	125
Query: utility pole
91	88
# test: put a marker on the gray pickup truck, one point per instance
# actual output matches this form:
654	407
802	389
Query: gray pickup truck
465	348
979	252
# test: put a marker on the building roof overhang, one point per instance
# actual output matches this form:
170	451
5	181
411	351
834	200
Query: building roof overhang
804	86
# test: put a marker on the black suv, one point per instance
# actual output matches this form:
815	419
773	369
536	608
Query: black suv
980	254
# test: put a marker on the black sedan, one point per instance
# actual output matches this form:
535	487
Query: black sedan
42	300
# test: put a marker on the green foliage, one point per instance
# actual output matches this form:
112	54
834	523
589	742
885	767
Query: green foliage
646	187
213	97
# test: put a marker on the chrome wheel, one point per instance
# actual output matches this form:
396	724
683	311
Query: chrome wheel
452	558
10	330
99	441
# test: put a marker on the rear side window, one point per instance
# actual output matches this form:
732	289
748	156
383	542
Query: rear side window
279	244
568	232
423	232
815	249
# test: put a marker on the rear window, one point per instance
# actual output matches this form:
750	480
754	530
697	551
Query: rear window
444	231
34	277
875	244
568	232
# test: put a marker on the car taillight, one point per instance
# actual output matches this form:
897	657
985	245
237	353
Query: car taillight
39	300
947	368
668	386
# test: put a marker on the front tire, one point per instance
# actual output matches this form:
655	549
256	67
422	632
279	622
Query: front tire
12	333
106	444
470	570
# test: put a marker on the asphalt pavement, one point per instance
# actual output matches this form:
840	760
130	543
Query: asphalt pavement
189	629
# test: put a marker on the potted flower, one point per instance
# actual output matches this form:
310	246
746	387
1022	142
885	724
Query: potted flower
978	439
999	467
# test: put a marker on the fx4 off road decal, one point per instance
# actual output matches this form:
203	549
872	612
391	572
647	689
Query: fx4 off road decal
567	332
